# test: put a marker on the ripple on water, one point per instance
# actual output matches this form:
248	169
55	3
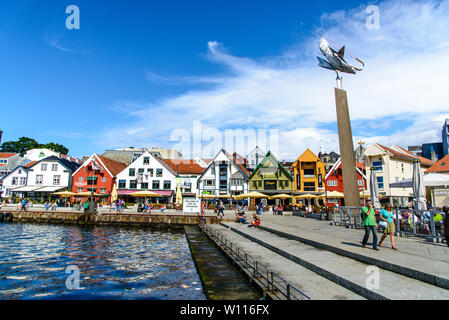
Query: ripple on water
114	263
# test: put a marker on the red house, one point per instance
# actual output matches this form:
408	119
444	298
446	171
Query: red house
334	181
97	174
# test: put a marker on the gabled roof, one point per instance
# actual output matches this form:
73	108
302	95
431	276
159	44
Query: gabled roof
184	166
111	166
440	166
69	165
30	164
401	152
271	156
396	153
114	167
5	155
238	166
14	170
358	166
307	156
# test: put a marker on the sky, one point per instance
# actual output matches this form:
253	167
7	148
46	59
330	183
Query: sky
202	75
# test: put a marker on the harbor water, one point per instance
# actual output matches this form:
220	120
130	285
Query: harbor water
40	261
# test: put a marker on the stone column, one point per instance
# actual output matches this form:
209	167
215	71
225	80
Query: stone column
350	184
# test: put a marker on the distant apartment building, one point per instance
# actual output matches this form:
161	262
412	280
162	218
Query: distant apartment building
254	158
392	164
436	150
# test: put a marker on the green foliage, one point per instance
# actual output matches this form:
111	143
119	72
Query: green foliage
42	200
24	144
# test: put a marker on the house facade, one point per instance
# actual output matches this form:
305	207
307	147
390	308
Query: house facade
98	175
46	176
334	181
147	172
392	164
187	174
254	158
309	174
13	180
223	176
271	178
10	161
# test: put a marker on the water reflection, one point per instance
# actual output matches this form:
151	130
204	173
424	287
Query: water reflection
114	263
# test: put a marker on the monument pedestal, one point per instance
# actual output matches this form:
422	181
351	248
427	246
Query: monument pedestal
350	183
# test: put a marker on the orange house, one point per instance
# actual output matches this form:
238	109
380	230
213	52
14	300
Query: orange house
309	172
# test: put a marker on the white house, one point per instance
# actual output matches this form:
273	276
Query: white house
254	158
223	176
147	172
46	176
15	179
187	174
392	164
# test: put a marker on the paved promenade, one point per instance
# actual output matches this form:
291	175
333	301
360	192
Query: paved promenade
291	245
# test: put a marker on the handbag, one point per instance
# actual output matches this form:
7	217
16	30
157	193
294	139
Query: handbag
383	224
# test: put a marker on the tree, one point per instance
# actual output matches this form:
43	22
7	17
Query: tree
55	147
24	144
20	146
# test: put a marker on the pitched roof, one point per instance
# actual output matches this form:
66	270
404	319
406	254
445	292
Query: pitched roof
184	166
7	154
114	167
426	161
30	164
271	156
72	166
408	154
440	166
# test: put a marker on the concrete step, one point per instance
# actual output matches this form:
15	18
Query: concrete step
344	271
312	284
413	259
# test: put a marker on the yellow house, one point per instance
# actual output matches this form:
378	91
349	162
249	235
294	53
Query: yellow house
309	172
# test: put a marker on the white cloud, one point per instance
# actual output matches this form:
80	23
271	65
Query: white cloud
406	73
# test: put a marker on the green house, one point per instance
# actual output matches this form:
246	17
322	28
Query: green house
271	178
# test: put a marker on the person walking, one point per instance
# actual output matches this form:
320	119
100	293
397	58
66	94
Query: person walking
446	224
387	215
370	225
24	205
260	208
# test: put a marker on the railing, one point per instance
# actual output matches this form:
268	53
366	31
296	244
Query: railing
272	282
407	221
315	215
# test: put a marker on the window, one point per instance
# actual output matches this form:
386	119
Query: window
122	184
155	184
15	181
360	183
94	190
158	172
133	184
23	181
92	181
56	180
54	167
39	179
309	173
43	167
309	186
167	185
20	171
380	182
378	165
140	171
103	190
104	179
332	183
287	184
80	179
209	182
402	167
132	172
151	172
80	190
212	170
144	185
146	160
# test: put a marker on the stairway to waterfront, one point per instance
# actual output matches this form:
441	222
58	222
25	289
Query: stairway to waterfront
327	262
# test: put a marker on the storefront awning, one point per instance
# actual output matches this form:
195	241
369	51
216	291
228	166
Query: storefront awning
49	189
26	189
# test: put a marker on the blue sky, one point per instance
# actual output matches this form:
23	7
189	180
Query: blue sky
135	73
